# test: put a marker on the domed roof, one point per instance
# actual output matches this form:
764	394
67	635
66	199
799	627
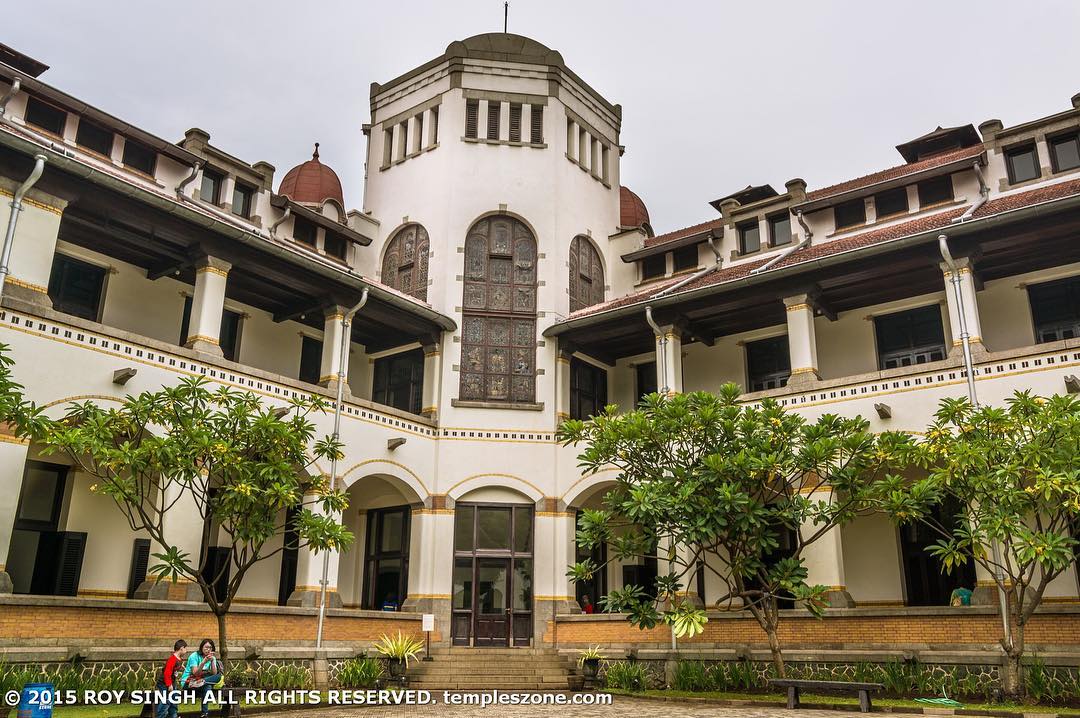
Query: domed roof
505	46
312	182
632	211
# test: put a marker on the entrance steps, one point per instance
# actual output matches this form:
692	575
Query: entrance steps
507	669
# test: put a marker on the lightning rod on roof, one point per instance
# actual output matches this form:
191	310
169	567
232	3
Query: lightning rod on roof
506	14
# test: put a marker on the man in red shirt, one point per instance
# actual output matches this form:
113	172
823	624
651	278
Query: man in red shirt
167	682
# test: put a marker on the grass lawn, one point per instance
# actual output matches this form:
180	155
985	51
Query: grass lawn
781	699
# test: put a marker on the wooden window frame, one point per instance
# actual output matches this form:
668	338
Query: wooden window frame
586	274
400	263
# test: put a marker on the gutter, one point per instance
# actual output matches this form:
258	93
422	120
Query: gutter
713	239
977	225
67	162
790	250
984	194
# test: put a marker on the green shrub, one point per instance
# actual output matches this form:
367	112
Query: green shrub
692	676
626	675
360	672
281	677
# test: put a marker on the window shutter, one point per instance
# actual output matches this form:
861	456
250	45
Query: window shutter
435	125
72	548
537	129
472	114
493	110
140	559
515	123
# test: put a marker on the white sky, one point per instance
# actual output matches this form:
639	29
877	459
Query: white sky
715	95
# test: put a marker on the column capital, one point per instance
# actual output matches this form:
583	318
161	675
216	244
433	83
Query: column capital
799	301
215	265
334	312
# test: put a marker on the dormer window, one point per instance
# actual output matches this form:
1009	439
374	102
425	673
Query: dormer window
850	214
1022	163
46	117
749	237
94	137
139	157
210	191
243	200
780	229
890	202
685	258
935	191
304	231
654	266
336	246
1065	152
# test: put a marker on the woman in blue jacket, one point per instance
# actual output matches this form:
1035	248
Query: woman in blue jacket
202	672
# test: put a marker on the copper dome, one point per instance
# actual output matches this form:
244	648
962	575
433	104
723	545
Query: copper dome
632	211
312	182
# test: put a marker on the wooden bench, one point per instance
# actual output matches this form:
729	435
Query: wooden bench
794	686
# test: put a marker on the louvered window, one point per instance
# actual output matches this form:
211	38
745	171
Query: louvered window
435	125
140	558
537	122
586	275
498	345
494	109
405	261
418	142
515	122
404	149
472	118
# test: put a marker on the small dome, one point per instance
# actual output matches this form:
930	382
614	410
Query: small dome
632	211
312	182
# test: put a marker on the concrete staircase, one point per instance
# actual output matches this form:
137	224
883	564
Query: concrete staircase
507	669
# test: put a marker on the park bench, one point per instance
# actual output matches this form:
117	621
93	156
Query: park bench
794	686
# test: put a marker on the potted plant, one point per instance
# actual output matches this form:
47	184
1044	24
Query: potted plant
398	651
589	662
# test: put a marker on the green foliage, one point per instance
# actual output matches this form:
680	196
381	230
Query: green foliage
219	454
399	647
723	481
589	654
14	676
268	676
692	676
363	672
627	675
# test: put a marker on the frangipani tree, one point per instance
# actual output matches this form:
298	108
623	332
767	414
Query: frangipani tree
1013	475
220	454
703	479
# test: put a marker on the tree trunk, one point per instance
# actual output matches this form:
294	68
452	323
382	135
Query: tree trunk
1012	674
223	646
774	646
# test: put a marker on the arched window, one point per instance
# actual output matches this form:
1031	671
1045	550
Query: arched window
498	347
405	263
586	274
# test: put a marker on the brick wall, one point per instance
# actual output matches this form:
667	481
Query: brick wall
1056	626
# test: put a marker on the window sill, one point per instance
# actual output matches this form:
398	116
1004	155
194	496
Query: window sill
898	216
521	406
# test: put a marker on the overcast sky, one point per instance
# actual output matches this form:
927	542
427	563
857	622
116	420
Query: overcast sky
715	95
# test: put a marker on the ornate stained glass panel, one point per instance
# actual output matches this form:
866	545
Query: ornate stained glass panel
498	353
586	274
405	261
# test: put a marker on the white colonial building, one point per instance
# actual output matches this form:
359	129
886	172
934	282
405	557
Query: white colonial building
512	282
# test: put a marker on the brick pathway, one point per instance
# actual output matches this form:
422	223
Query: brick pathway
621	707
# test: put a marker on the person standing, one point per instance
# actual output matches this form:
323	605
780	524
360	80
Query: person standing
167	682
202	672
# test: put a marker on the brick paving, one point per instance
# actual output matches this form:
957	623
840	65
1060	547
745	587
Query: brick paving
621	707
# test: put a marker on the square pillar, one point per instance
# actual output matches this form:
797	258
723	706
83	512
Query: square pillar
824	559
432	379
966	306
562	385
34	244
802	342
208	306
431	561
553	591
309	566
12	466
330	369
669	360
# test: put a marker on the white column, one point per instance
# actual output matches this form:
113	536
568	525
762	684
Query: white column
562	386
802	342
824	558
669	360
34	243
526	122
432	379
309	571
431	562
553	592
333	329
571	139
969	300
208	305
12	465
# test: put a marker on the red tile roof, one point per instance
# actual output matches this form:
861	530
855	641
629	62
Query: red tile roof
685	232
312	182
895	172
853	242
632	211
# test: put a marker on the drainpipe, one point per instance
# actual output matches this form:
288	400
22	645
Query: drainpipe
713	239
343	370
188	180
790	250
984	194
943	245
13	219
274	226
662	354
15	87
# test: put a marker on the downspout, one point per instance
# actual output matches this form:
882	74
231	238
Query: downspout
274	226
662	342
343	371
965	339
189	179
13	218
790	250
713	239
16	85
984	194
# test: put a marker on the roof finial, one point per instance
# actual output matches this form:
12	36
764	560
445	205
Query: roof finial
315	154
506	15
